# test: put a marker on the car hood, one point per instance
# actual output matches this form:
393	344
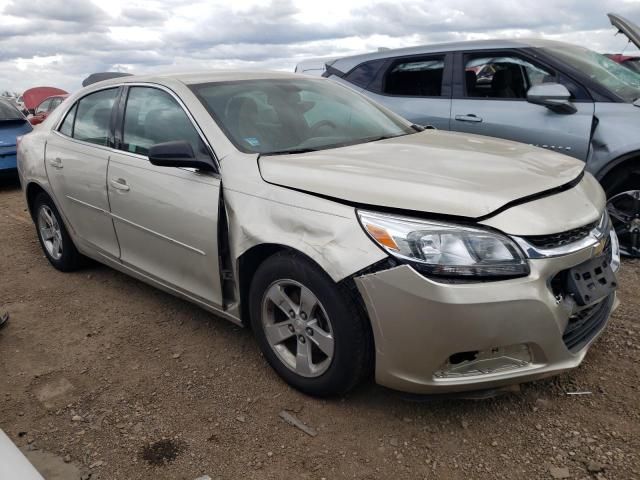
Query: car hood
433	171
626	27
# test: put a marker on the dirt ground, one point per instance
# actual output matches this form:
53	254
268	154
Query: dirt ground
96	367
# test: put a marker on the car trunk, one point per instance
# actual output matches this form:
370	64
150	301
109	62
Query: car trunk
626	27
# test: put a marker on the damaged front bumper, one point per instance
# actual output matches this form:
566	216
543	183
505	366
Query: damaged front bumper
434	337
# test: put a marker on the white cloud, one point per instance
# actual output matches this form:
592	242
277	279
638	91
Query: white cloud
60	42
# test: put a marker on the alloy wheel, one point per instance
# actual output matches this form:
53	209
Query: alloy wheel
297	328
50	232
624	210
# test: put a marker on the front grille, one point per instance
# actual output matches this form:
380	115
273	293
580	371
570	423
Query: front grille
585	324
556	240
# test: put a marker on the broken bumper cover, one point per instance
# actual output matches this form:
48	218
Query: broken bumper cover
434	337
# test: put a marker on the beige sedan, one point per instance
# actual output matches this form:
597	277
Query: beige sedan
352	242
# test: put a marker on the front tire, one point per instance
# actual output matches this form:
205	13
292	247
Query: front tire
623	205
54	238
312	334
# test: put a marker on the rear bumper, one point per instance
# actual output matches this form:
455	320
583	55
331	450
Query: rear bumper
419	324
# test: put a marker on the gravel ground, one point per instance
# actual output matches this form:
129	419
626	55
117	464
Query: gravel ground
126	382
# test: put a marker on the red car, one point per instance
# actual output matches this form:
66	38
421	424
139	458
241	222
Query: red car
45	107
629	61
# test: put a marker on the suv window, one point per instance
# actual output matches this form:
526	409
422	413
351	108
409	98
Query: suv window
93	117
153	116
503	77
418	77
364	73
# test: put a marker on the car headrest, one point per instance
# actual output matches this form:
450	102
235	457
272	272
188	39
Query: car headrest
501	79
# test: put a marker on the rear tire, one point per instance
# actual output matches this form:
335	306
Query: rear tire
312	334
53	236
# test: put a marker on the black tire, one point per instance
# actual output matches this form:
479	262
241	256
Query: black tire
353	345
70	259
627	226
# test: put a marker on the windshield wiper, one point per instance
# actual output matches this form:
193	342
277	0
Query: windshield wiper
377	139
292	150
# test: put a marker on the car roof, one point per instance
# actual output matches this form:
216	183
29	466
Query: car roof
191	78
345	64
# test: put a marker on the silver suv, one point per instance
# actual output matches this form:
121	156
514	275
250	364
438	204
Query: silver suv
549	94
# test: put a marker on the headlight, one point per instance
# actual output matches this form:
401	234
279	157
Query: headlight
446	249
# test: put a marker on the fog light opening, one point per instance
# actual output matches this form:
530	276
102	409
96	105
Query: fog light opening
460	357
485	362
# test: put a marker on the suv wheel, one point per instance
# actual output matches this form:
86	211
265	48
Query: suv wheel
623	205
53	236
308	330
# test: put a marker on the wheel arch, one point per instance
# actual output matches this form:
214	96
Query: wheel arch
32	190
248	263
608	173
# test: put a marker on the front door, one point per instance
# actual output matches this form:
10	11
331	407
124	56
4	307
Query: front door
492	101
166	218
76	160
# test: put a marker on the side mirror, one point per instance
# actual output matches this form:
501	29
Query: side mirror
177	154
554	96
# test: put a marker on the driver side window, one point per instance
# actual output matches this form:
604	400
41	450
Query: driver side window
152	116
505	77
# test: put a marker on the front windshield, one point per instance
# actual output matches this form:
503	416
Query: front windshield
289	115
618	79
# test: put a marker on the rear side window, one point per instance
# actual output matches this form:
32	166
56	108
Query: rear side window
416	77
364	73
153	116
67	125
93	117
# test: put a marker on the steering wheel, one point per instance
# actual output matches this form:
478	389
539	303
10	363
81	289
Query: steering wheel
320	124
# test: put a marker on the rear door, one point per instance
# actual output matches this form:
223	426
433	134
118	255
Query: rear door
76	161
489	98
417	88
166	218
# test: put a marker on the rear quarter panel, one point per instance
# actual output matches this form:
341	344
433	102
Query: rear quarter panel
30	157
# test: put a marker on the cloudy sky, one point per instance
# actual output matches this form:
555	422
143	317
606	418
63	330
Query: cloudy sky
59	42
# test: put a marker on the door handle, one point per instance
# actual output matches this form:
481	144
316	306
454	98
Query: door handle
469	118
56	162
120	184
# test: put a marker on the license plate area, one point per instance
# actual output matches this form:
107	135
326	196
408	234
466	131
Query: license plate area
591	280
